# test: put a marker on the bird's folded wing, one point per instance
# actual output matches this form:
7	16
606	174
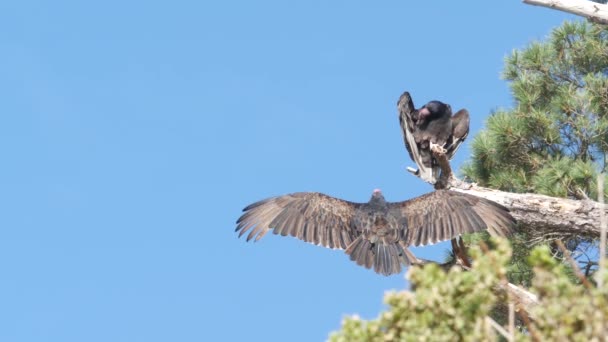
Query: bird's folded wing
406	109
460	131
442	215
309	216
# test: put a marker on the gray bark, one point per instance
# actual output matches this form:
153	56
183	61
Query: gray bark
544	217
593	11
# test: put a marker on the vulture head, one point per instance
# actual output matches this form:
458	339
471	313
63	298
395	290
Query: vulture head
434	110
377	197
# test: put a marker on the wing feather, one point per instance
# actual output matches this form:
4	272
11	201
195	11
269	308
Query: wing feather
443	214
460	131
309	216
407	117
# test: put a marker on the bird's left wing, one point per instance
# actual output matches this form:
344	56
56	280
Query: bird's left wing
443	214
309	216
407	118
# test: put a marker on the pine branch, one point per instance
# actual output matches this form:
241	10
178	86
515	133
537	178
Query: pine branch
524	300
595	12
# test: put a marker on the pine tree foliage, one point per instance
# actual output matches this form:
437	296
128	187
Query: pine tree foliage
454	305
555	138
446	306
554	141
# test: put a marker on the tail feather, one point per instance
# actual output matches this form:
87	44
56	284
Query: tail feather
386	259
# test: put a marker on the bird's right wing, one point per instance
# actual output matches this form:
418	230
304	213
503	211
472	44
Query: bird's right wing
443	214
460	131
407	118
309	216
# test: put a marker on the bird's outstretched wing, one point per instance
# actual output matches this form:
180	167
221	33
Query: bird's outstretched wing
362	231
408	115
309	216
443	214
460	131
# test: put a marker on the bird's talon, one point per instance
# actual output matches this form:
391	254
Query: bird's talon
436	148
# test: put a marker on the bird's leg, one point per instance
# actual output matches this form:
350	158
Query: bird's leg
446	171
436	148
460	252
411	257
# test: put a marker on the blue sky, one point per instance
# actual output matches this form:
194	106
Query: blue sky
133	133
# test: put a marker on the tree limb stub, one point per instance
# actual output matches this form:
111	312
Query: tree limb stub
595	12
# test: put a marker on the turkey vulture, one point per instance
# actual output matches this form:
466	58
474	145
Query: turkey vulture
431	124
377	233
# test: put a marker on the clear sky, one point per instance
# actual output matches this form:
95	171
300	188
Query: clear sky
132	133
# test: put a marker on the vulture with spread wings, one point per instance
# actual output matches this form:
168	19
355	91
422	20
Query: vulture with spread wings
432	124
375	234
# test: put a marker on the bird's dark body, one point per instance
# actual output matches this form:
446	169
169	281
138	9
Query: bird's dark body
432	123
436	130
381	230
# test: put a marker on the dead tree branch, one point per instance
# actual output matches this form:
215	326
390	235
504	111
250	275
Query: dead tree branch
544	216
595	12
541	217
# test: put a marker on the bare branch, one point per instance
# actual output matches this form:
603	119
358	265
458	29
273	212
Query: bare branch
499	328
595	12
602	262
544	216
511	322
577	270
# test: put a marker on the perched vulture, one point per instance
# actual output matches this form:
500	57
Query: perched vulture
431	124
377	233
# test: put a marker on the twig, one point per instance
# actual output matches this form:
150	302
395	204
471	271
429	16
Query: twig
602	261
577	270
499	328
531	328
579	194
511	322
460	251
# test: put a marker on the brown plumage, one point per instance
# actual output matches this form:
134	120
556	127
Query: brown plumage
375	234
432	123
